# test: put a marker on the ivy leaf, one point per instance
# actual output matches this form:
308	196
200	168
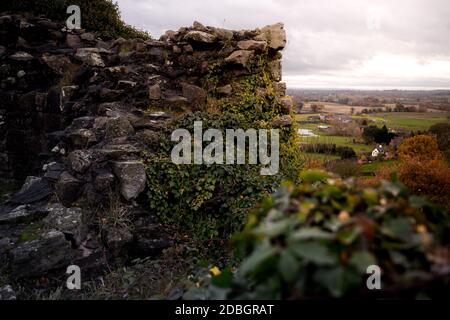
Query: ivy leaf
399	228
257	258
273	229
337	280
362	259
347	237
314	252
288	266
311	234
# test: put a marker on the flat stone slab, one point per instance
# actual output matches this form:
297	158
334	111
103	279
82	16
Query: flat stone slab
37	190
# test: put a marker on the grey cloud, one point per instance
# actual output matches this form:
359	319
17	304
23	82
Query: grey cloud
324	36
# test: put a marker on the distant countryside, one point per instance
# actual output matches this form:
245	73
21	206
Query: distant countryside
334	127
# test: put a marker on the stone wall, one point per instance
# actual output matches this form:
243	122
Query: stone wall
98	92
76	114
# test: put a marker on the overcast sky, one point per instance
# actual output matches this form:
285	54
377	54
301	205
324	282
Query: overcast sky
331	43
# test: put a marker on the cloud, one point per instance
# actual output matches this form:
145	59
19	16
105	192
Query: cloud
327	39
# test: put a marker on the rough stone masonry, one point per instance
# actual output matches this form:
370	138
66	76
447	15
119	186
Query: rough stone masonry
76	113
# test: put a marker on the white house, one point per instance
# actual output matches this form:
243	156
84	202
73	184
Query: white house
377	151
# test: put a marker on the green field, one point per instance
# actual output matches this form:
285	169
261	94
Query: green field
411	121
321	157
371	168
339	141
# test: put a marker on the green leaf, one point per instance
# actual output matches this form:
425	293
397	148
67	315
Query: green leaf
288	266
257	258
417	202
337	280
370	196
311	234
224	279
348	236
399	228
314	252
273	229
362	259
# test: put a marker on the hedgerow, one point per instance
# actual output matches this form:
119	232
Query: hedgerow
317	240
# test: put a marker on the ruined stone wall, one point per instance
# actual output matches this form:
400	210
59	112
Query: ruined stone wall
64	91
77	113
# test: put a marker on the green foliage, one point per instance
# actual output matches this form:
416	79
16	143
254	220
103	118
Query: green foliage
208	201
257	99
101	16
329	148
378	135
317	239
344	168
442	132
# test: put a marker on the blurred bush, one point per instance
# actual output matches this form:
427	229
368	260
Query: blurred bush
317	240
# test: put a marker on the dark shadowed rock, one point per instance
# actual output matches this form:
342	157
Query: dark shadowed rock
195	95
104	181
118	127
82	138
53	171
117	240
73	41
68	189
80	160
36	257
34	190
22	214
154	92
90	56
66	220
149	238
200	36
58	63
7	293
132	177
240	57
21	56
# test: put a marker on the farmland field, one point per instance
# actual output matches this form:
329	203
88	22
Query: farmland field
413	121
339	141
371	168
321	157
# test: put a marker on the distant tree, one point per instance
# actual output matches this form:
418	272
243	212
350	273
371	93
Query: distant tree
422	108
422	168
399	107
421	147
298	104
379	135
442	133
316	107
352	111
